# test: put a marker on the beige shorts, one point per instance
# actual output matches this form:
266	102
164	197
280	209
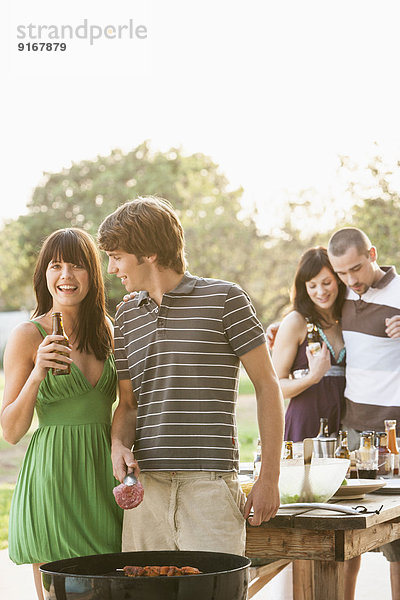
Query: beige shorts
187	510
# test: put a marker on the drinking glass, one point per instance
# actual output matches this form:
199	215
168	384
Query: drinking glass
367	462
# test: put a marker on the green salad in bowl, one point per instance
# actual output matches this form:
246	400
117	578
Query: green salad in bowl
326	476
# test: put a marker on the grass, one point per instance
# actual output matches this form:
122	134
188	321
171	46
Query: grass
12	456
246	388
6	492
246	415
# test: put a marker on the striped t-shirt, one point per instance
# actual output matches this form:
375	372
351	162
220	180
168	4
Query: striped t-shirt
373	359
183	361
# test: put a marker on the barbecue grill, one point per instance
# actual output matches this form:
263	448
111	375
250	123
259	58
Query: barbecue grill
223	577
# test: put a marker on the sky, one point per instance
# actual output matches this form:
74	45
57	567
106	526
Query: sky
274	91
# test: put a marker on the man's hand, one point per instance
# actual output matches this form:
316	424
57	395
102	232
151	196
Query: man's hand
264	499
123	462
271	332
393	326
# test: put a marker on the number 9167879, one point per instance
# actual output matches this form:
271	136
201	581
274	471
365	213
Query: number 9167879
42	46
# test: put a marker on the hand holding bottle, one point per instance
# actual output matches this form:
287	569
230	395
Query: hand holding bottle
318	364
49	354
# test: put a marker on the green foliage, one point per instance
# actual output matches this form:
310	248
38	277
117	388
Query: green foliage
16	268
245	385
376	205
221	241
6	492
82	196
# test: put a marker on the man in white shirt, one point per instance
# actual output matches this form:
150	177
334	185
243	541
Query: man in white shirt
371	332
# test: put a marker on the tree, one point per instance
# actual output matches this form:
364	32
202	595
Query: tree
375	206
15	266
220	242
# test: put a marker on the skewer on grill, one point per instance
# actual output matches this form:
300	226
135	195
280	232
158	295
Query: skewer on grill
155	571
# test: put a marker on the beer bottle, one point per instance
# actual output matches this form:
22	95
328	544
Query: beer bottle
58	329
352	473
385	457
390	427
323	428
257	461
288	450
313	338
342	451
339	439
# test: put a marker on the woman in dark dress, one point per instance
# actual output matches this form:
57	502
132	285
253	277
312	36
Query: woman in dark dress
313	383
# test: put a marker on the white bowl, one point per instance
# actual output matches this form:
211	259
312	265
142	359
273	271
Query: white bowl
326	476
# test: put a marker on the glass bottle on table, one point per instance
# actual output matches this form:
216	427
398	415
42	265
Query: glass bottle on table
352	473
58	329
390	428
323	428
342	451
367	456
288	450
385	457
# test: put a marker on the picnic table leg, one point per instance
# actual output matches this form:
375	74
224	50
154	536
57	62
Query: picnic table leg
316	579
303	579
328	579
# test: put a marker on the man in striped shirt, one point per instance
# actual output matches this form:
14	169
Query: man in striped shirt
178	347
371	332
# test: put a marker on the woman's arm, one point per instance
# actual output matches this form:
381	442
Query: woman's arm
26	362
290	335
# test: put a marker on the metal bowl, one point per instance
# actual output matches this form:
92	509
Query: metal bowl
223	577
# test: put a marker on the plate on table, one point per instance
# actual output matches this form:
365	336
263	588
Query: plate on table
392	486
357	488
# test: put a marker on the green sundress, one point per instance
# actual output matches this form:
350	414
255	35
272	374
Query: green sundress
63	505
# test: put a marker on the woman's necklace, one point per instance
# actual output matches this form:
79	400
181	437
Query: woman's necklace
333	324
72	336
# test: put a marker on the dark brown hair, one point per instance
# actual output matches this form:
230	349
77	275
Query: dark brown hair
144	227
311	263
77	247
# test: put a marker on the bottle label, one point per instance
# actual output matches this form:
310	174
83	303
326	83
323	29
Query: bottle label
385	464
315	348
396	462
257	469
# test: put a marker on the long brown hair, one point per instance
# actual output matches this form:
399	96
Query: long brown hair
311	263
75	246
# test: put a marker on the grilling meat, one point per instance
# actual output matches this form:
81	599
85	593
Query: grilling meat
128	496
154	571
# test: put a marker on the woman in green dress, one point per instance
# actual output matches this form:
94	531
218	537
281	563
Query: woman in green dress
63	505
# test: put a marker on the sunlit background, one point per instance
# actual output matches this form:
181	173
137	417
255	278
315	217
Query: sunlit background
273	92
267	124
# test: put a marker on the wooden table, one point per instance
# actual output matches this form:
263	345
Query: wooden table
319	541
